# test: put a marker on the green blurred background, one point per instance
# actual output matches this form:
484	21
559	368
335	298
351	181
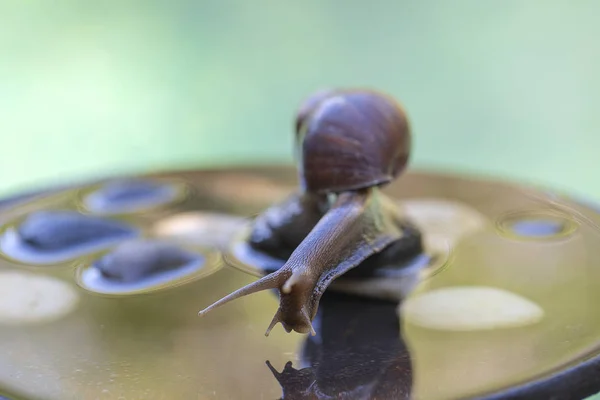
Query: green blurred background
509	88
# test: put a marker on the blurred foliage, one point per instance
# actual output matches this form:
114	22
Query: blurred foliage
93	88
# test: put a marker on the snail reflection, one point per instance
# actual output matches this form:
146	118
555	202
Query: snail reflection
358	353
351	144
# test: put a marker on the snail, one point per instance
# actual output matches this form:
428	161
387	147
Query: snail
350	143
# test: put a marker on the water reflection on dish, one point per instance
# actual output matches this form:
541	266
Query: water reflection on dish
358	353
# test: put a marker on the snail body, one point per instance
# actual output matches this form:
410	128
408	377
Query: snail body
351	143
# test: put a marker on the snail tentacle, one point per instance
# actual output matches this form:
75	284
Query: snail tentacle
271	281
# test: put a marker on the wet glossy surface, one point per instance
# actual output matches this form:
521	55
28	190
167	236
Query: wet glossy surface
46	237
136	260
142	266
55	231
138	342
29	299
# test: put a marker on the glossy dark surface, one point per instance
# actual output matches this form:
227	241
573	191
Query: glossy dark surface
151	344
55	231
133	261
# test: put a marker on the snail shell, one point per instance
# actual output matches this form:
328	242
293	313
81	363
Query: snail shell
350	140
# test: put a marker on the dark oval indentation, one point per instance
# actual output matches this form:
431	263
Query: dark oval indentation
130	195
47	237
538	227
60	230
144	266
136	260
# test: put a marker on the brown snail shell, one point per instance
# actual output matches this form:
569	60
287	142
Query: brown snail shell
310	104
351	140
